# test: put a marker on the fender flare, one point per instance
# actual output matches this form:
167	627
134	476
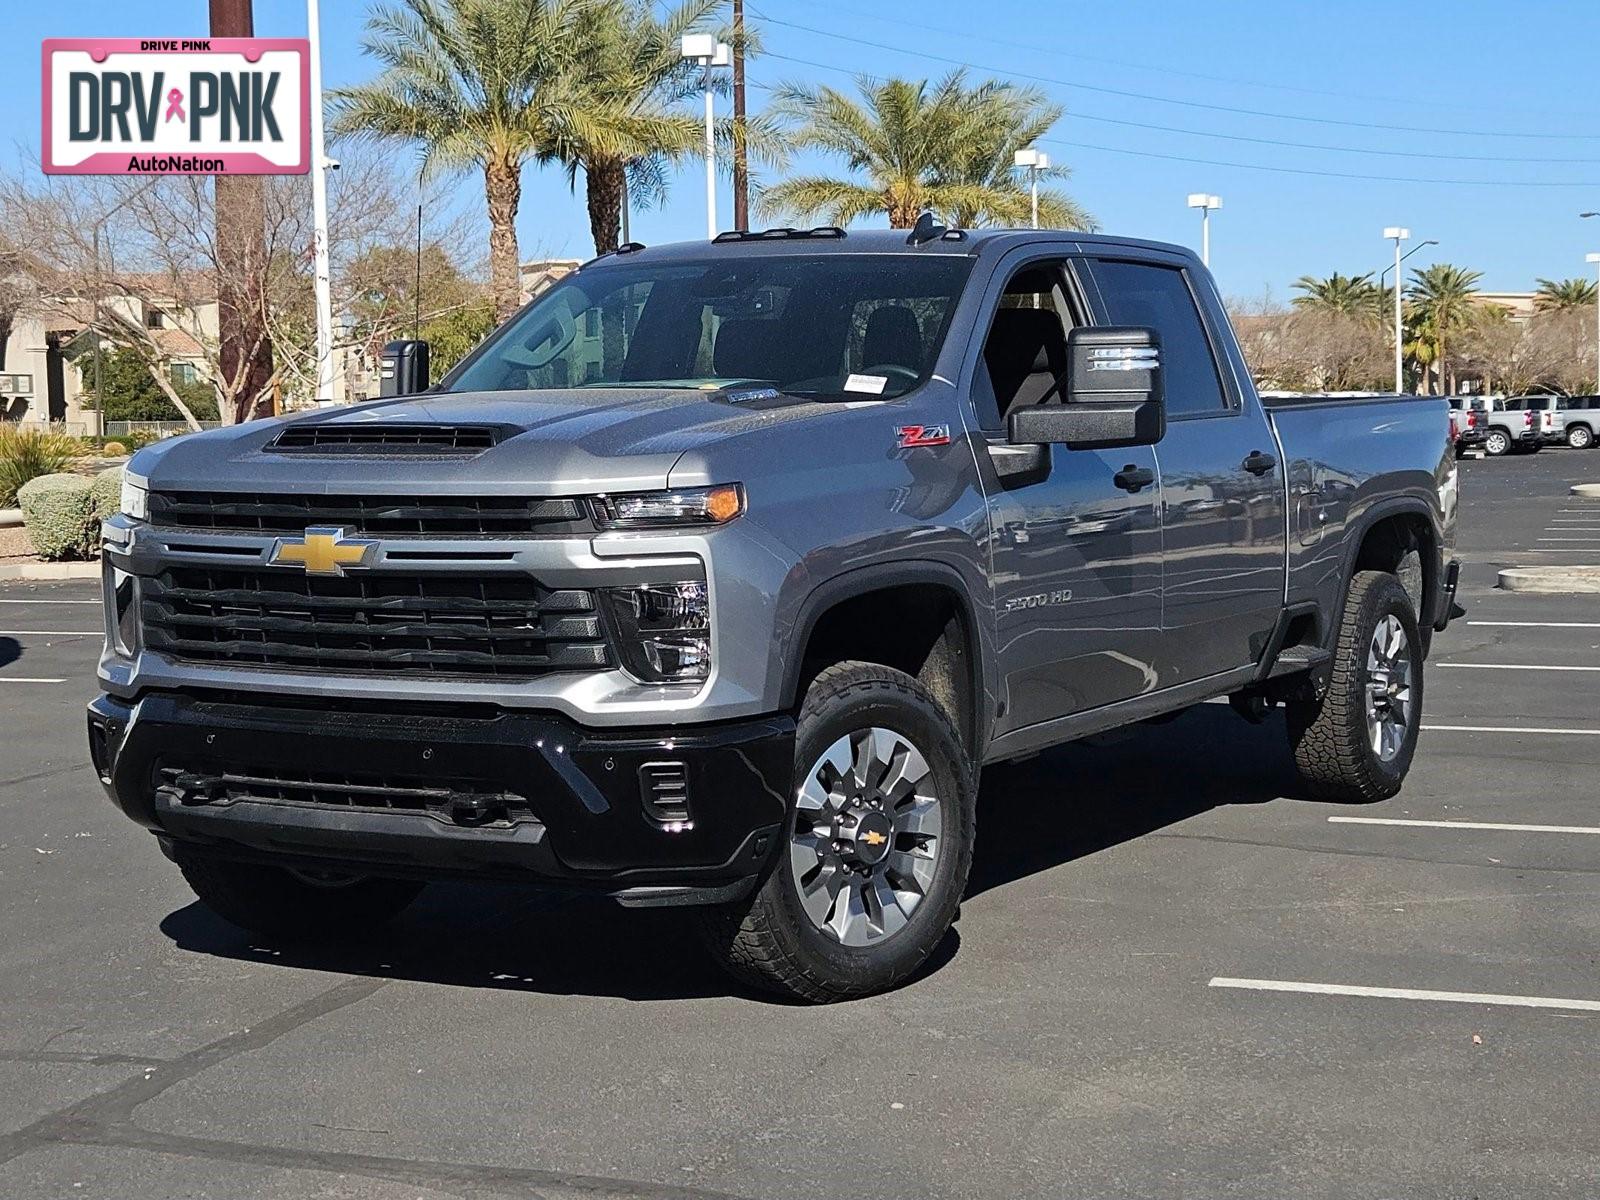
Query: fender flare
1356	534
865	580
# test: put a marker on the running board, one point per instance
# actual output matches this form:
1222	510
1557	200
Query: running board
1299	658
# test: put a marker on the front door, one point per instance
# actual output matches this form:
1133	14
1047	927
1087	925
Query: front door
1221	484
1075	536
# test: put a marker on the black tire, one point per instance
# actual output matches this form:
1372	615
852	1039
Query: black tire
1330	737
294	907
1580	437
1497	443
768	941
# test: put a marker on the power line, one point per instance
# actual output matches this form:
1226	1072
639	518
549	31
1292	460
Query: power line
970	36
1079	115
1131	95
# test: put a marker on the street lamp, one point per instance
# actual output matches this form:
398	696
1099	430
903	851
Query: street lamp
1595	258
703	48
1384	274
1036	161
1205	203
1399	234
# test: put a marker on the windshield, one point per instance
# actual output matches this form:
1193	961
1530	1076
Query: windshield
830	326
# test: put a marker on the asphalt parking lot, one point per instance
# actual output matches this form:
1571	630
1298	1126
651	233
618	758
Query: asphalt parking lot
1155	988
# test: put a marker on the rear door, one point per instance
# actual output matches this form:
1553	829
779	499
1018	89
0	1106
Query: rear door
1221	484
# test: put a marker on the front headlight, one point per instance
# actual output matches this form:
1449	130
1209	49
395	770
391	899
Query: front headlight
135	498
665	510
664	631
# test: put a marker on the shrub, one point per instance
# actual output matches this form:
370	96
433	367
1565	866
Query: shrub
57	512
105	494
29	453
113	449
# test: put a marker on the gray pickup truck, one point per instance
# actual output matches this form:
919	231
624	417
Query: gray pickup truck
716	576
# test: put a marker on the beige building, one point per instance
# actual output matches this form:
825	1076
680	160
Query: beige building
49	362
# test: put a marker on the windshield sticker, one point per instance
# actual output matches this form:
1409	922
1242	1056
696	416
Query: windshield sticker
871	384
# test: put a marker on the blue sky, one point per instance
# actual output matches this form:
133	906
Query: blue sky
1436	103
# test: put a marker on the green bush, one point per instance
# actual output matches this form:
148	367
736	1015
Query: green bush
105	494
57	511
29	453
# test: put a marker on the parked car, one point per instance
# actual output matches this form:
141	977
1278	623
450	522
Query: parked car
1468	429
724	596
1510	431
1580	418
1548	415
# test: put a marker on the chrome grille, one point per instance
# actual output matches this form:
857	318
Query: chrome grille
446	516
372	623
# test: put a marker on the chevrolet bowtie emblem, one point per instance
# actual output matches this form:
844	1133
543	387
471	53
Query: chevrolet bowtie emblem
323	551
873	838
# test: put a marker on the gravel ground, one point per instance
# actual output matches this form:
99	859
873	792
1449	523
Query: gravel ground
14	545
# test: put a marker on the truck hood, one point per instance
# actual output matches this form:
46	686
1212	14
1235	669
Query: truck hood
550	443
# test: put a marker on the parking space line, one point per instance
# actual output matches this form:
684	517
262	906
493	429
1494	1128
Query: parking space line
94	602
1511	667
1510	729
25	679
1390	993
52	632
1541	624
1573	539
1497	826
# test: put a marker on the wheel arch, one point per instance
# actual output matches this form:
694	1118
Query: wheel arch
915	616
1386	533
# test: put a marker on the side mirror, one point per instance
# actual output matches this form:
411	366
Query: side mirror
1113	394
403	369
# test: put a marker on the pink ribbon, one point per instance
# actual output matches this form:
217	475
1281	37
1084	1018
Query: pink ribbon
175	105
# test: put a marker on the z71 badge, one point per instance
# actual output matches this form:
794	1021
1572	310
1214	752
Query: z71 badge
912	436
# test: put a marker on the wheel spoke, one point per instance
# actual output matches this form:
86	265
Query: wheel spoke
805	854
912	869
909	770
885	903
819	894
849	920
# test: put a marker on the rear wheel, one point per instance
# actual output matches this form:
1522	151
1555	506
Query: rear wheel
294	905
878	847
1497	443
1356	742
1580	437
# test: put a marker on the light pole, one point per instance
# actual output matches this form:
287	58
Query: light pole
1595	258
1399	234
703	48
1384	274
1036	161
319	214
1205	203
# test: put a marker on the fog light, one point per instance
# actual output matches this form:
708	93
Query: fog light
664	631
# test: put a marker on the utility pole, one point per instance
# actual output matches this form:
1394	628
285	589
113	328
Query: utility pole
1399	234
241	223
319	215
741	159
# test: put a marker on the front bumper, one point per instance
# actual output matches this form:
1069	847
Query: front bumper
439	792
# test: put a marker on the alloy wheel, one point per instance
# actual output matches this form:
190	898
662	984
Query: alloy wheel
866	839
1389	706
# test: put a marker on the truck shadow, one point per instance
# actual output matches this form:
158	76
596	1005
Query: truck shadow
1034	816
10	651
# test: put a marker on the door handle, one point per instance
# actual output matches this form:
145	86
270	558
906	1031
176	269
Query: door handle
1258	463
1132	478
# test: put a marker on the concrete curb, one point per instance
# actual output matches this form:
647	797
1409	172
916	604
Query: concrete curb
10	518
1588	490
66	570
1565	579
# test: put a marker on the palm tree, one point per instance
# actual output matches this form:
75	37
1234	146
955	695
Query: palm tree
1561	295
943	147
1442	296
1348	295
632	78
475	84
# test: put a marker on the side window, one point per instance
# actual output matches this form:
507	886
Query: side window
1158	297
1025	352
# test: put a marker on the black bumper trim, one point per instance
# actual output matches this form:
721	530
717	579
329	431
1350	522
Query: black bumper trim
577	817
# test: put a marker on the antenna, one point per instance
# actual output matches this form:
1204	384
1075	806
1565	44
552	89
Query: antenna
926	229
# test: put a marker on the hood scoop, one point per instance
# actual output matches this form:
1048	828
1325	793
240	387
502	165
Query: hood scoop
386	438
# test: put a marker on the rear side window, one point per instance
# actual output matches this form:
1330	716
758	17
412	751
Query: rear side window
1159	298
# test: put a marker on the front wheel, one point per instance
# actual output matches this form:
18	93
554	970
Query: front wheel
878	845
1355	742
294	905
1580	437
1497	443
